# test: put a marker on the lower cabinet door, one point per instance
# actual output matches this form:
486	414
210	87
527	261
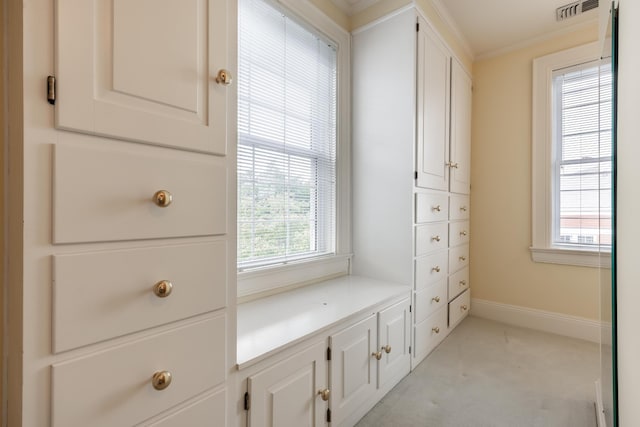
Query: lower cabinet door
393	343
353	368
287	393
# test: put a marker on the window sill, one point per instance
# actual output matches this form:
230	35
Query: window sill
583	258
263	282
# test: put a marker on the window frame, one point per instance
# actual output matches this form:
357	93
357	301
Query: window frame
267	280
542	193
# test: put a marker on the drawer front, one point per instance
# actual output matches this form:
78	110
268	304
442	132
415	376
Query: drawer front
459	308
429	333
431	268
431	238
118	290
113	387
459	207
459	233
431	207
209	411
458	282
458	258
430	300
107	194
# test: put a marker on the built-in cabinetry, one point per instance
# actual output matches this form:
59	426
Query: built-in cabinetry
411	169
352	347
122	214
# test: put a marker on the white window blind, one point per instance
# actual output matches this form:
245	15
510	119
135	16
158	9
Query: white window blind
582	166
286	138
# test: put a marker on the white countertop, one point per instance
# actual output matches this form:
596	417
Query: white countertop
272	323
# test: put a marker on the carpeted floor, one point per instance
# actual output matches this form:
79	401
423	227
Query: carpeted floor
489	374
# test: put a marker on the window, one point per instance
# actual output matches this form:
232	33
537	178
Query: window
572	158
288	147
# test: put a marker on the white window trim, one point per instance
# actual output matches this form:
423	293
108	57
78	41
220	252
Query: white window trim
542	249
269	280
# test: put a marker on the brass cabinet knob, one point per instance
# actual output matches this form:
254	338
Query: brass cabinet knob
436	299
224	77
462	258
436	329
162	198
386	348
463	308
436	208
377	355
324	394
463	282
452	165
463	208
436	238
161	380
463	233
163	288
436	269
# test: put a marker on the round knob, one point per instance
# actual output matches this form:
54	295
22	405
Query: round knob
436	208
162	198
463	282
161	380
462	258
464	308
324	394
436	330
224	77
377	355
387	349
436	238
163	288
436	299
463	233
463	208
436	269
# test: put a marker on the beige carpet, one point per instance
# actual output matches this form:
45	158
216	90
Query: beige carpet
489	374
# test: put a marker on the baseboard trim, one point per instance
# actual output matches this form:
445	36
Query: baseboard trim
547	321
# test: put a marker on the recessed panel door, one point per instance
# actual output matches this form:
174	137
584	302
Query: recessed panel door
460	178
393	343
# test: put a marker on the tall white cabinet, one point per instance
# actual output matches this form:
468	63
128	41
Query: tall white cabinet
411	170
121	213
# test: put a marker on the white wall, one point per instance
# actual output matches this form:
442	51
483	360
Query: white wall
628	211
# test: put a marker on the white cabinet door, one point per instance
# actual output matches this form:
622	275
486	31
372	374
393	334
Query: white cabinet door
460	130
432	111
143	70
353	368
393	342
286	394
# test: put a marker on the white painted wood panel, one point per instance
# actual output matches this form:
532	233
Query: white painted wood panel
459	308
460	178
144	70
394	330
431	207
458	258
458	233
431	268
116	290
286	394
429	300
428	334
113	387
353	368
458	282
205	412
103	192
431	238
459	208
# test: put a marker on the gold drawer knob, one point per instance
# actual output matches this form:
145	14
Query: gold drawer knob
452	165
463	233
436	330
162	198
436	299
436	238
463	308
387	349
463	208
377	355
436	208
163	288
436	269
462	258
463	283
161	380
224	77
324	394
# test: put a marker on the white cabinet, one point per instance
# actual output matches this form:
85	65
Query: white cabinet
122	216
411	165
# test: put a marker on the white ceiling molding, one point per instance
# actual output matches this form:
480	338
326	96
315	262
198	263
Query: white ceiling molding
453	26
351	7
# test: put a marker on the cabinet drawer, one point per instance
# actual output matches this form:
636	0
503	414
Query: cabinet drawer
458	258
429	300
209	411
458	282
431	237
458	233
431	268
430	332
105	193
459	308
431	207
117	290
113	387
459	207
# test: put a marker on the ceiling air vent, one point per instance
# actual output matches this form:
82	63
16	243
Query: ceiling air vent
573	9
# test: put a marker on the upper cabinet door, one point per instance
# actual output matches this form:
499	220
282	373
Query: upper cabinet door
432	111
460	130
144	70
